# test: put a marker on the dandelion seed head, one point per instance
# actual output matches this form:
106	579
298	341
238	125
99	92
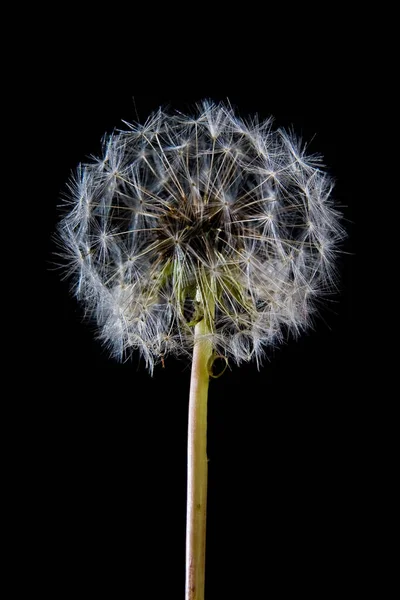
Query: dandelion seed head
186	209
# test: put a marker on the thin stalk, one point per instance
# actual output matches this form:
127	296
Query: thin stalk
197	470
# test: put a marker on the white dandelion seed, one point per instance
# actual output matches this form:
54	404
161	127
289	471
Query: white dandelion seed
170	200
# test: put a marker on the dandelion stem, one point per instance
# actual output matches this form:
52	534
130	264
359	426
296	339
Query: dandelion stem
197	465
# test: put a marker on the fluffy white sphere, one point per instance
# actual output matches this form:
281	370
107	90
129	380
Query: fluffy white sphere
185	218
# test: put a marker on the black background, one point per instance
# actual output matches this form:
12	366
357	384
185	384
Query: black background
106	470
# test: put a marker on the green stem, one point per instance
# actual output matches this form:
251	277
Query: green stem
197	466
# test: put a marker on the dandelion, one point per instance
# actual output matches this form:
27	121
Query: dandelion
202	236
